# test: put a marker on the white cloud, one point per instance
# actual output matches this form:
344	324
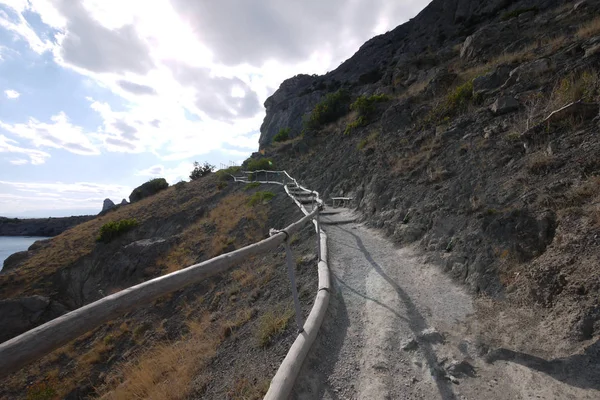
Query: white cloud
21	28
36	157
172	175
59	134
19	161
18	197
12	94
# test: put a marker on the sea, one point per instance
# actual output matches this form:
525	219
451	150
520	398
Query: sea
12	244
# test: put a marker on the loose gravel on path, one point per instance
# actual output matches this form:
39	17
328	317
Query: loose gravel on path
397	329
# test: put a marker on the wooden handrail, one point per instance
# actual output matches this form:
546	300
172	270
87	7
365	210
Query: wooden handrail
34	344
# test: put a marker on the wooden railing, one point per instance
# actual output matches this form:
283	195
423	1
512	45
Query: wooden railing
34	344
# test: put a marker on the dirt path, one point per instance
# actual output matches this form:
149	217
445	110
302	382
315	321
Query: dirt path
397	329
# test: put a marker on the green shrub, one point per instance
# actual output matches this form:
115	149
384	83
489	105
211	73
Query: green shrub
225	174
114	229
251	185
366	105
282	135
108	340
456	101
260	197
360	121
515	13
259	164
369	139
149	188
332	107
41	391
201	171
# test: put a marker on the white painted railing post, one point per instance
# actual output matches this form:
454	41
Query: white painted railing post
291	265
318	233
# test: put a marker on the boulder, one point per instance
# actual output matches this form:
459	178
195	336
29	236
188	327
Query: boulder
14	260
476	44
530	70
491	81
107	205
504	105
124	202
148	189
25	313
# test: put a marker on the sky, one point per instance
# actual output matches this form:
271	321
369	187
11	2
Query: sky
99	96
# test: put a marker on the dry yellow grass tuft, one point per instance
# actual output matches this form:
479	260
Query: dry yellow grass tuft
272	323
166	371
243	389
589	29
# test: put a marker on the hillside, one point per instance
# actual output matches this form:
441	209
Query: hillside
39	226
443	133
164	349
469	137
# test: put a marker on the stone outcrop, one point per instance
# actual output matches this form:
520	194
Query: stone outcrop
14	260
22	314
400	54
148	189
107	205
39	226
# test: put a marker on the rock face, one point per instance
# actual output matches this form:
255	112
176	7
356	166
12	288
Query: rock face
39	226
148	189
14	260
405	47
477	190
504	105
107	205
20	315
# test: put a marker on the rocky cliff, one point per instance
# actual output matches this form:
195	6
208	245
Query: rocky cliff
483	148
39	226
396	59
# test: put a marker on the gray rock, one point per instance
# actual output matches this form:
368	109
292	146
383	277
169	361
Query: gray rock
14	260
530	70
407	233
431	335
491	81
107	205
504	105
124	202
460	369
25	313
475	45
580	5
409	345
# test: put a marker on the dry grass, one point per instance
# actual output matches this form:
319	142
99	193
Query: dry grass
243	389
223	219
271	324
574	87
80	241
540	163
589	29
583	192
166	371
541	48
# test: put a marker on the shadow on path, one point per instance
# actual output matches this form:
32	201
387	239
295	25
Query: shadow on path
579	370
364	296
325	354
416	321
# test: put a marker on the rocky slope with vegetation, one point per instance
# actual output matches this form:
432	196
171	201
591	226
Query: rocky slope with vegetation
39	226
184	345
472	130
